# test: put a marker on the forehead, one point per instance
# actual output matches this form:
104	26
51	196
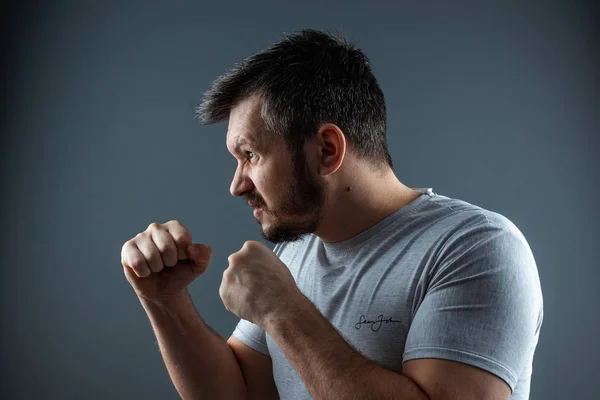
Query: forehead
245	125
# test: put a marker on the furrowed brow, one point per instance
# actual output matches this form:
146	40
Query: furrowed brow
251	143
241	142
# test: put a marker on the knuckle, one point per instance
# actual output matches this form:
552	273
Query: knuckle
153	226
250	245
125	251
141	236
232	259
125	246
163	247
136	266
154	254
176	224
184	238
227	276
160	239
136	263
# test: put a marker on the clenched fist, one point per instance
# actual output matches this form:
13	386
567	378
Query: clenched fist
258	285
162	261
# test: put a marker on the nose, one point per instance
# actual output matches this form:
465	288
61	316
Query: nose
240	183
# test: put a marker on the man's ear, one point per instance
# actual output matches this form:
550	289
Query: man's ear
331	143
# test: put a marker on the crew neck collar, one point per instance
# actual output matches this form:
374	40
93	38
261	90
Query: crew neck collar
344	245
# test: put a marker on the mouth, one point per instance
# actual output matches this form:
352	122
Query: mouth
256	208
254	205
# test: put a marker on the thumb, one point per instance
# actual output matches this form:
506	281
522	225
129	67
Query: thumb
200	255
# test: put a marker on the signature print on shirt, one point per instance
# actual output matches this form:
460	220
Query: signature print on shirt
375	324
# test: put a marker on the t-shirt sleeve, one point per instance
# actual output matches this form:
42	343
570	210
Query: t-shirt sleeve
483	302
251	334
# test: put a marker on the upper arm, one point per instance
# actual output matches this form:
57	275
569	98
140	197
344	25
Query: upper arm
444	379
257	370
481	312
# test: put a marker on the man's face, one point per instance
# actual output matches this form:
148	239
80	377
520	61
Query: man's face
290	196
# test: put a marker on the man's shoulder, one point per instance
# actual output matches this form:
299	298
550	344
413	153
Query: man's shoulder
461	218
481	241
466	231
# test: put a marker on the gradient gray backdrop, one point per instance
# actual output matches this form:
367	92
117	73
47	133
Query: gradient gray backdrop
493	103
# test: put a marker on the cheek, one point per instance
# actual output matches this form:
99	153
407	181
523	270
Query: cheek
268	187
262	188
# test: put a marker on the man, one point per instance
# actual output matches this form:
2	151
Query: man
374	290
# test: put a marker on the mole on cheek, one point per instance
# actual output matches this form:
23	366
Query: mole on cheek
348	189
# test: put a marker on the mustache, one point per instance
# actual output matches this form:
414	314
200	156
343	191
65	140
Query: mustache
255	200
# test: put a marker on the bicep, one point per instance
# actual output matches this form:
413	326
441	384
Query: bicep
257	370
450	380
483	307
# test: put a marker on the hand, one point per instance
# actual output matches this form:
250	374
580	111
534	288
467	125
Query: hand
257	284
161	262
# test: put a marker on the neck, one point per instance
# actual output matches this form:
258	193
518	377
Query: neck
370	200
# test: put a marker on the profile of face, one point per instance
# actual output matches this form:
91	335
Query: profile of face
291	197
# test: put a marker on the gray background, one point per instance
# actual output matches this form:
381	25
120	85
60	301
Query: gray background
494	103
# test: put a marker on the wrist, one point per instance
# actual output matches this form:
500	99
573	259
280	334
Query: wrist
166	302
289	311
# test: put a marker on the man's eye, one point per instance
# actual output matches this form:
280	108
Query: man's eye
250	152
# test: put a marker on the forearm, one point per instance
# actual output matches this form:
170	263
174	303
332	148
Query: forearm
329	367
200	363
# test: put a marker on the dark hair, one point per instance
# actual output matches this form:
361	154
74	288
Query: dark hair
308	78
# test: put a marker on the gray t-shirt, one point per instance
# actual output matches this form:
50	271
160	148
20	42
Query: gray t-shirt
438	278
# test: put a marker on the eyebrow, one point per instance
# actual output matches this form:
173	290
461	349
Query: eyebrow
242	141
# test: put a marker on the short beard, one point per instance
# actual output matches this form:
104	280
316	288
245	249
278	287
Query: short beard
305	200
